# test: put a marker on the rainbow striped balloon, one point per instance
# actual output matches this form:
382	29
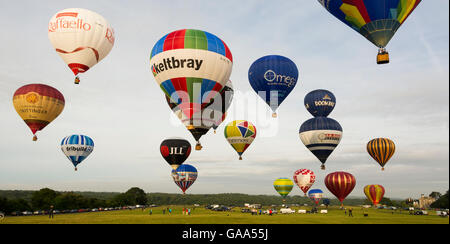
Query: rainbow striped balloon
374	193
191	66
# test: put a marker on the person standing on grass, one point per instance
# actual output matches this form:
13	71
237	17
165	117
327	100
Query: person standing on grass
164	211
350	212
50	212
151	211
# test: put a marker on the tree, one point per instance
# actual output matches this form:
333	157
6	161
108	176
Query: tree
442	202
435	195
43	199
136	196
386	201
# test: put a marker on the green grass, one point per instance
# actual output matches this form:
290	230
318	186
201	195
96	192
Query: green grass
203	216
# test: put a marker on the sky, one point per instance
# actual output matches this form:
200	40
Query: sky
119	104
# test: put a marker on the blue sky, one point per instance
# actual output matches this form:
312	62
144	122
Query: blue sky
120	106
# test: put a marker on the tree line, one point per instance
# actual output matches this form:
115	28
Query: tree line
11	201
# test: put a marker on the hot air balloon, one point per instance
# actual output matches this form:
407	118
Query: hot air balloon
374	193
381	149
273	77
240	134
375	20
315	195
321	136
304	178
38	105
320	102
341	184
81	37
283	186
77	148
191	67
184	176
175	151
198	125
220	105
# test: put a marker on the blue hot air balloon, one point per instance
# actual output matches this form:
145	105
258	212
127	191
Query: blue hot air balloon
273	77
320	102
77	148
315	195
321	136
184	176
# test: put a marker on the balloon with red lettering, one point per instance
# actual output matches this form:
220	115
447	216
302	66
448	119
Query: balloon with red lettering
81	37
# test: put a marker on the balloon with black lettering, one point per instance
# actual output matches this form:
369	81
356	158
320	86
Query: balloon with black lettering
273	77
321	136
81	37
320	102
376	20
38	105
77	148
191	67
175	151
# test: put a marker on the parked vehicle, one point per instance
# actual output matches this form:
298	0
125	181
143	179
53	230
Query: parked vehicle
287	211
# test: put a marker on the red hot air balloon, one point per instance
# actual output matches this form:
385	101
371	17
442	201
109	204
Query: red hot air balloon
341	184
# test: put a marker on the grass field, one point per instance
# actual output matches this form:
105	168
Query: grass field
204	216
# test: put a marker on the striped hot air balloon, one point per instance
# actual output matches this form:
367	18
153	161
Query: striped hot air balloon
184	176
240	134
376	20
81	37
283	186
304	178
321	136
191	67
374	193
77	148
38	105
381	149
341	184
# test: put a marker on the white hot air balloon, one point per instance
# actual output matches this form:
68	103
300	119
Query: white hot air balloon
81	37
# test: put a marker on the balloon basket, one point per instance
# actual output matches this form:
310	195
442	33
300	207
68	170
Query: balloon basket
77	80
274	115
382	169
76	169
322	167
34	138
198	147
382	57
214	131
240	157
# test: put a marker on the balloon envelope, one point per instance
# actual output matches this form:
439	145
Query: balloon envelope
240	134
175	151
374	193
273	77
77	148
184	176
321	136
320	102
315	195
38	105
283	186
81	37
381	149
304	178
191	67
375	20
341	184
